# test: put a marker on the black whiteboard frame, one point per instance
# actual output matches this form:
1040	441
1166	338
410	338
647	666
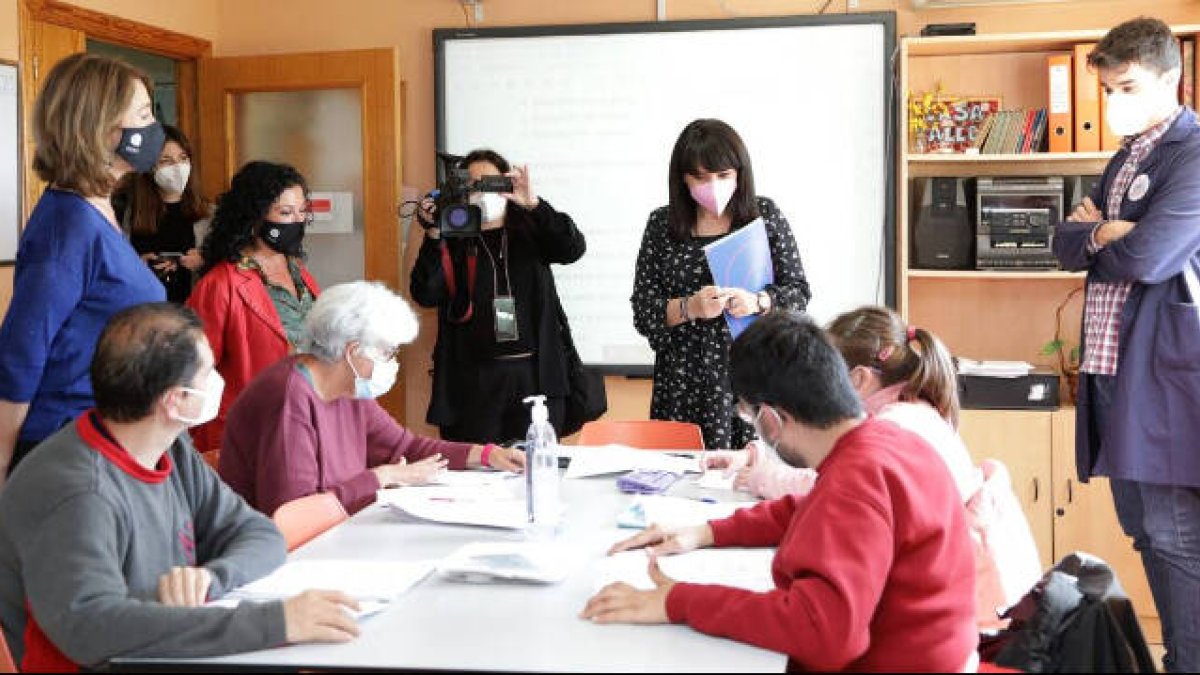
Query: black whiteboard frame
887	20
19	150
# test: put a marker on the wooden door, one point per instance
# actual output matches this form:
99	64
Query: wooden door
371	78
42	46
1086	520
1021	439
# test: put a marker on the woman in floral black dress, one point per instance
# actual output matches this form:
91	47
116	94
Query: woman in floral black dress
675	304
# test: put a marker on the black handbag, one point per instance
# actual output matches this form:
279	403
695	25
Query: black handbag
587	399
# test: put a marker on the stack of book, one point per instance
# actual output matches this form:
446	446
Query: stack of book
1012	132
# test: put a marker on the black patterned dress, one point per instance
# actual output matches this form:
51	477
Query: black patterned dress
691	364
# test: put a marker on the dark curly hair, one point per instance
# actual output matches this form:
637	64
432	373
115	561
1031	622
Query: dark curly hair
239	211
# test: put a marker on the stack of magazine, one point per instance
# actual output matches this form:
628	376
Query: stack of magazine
1012	132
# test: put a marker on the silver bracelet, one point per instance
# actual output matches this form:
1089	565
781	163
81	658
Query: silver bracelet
683	310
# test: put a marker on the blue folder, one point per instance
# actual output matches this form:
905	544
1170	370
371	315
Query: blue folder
742	259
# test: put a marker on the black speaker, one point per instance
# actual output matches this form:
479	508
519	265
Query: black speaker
1078	187
943	223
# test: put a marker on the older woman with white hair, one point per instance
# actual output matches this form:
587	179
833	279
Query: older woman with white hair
310	423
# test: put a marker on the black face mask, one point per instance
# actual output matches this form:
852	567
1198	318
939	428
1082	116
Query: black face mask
142	146
282	237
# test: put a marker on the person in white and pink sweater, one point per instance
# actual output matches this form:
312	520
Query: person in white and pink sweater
906	375
913	387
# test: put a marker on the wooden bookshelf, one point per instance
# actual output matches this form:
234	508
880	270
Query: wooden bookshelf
994	274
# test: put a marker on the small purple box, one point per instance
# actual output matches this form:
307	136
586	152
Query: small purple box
647	481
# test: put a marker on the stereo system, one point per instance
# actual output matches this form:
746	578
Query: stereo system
1015	220
991	223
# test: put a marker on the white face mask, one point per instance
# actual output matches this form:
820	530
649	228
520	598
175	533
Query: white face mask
768	451
381	381
214	387
173	179
1131	114
492	205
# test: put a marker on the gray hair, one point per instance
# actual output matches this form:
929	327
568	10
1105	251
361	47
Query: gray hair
366	312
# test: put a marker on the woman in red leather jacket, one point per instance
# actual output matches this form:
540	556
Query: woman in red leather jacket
255	291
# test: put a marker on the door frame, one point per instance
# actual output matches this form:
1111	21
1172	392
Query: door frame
186	49
375	75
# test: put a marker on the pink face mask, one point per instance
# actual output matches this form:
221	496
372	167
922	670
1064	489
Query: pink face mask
715	194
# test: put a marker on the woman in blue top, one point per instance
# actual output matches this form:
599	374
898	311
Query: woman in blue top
92	124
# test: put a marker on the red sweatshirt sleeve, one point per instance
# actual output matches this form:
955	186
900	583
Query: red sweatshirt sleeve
829	580
387	442
762	525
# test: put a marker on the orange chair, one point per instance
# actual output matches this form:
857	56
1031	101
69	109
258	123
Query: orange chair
300	520
6	659
644	434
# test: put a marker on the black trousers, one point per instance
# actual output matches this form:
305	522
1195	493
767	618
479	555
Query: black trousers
492	411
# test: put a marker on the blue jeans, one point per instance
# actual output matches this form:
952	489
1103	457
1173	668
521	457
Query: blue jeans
1164	523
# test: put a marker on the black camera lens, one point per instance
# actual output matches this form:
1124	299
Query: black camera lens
458	217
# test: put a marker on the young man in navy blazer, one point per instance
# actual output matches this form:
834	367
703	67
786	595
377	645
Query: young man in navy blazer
1138	238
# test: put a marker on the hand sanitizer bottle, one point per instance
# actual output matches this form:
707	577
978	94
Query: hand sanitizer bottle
541	472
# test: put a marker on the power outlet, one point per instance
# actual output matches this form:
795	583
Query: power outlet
851	4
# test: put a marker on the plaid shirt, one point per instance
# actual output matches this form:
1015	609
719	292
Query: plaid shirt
1105	300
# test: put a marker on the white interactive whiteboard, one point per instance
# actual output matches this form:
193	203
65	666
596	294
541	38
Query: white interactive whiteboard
10	163
595	111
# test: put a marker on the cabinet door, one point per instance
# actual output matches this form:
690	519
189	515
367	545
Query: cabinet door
1021	439
1085	520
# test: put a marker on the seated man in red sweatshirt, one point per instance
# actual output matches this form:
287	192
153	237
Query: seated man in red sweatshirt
874	569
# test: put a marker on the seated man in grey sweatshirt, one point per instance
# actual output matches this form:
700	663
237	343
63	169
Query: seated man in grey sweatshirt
114	532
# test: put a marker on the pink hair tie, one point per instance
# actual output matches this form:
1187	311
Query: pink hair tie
912	333
885	353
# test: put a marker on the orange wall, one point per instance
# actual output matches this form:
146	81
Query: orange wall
198	18
244	27
8	30
258	26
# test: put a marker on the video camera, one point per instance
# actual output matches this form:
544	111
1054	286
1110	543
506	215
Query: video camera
456	215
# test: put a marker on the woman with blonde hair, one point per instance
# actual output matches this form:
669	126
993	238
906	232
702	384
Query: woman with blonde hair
93	123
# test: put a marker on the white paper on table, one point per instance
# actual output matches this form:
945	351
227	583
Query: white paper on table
507	561
666	511
463	493
363	580
716	479
366	608
472	478
747	568
487	506
602	460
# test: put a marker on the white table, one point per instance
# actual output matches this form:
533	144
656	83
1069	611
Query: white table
443	625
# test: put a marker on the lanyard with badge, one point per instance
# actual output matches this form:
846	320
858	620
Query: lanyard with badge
504	305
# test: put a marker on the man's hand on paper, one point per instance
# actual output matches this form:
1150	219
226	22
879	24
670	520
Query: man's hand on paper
659	541
739	463
184	587
320	616
622	603
708	302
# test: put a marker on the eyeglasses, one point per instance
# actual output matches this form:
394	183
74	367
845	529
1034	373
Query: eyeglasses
384	354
